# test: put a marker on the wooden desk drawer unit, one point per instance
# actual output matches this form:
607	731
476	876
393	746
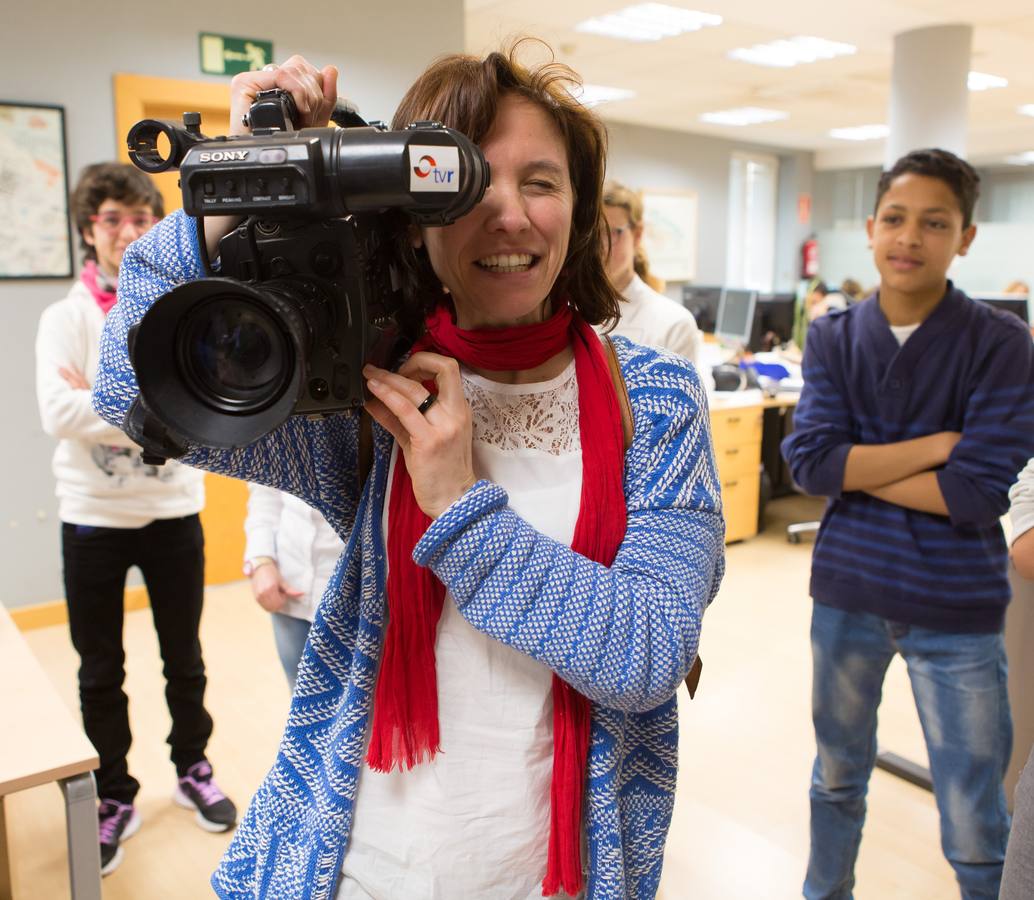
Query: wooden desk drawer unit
736	425
740	502
737	446
737	459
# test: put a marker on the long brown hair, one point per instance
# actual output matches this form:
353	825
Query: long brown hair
463	92
617	196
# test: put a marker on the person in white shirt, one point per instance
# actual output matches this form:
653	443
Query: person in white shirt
647	317
1018	871
289	558
117	512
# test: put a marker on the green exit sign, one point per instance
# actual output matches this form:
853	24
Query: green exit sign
224	55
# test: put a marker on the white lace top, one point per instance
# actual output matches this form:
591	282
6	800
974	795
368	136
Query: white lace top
473	824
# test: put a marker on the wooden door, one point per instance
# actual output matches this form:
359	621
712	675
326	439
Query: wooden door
142	97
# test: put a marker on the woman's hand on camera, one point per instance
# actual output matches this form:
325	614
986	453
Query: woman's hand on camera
314	91
436	443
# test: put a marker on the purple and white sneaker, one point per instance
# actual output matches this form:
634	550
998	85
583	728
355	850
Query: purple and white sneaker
115	823
196	790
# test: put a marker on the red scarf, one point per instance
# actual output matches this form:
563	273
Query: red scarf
98	285
405	717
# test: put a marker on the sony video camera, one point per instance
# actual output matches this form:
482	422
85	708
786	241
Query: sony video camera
304	296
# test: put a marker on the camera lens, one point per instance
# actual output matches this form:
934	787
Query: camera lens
220	362
234	355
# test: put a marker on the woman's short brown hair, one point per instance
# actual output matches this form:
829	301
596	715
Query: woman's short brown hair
463	92
111	181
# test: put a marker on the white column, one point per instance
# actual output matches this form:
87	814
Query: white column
928	93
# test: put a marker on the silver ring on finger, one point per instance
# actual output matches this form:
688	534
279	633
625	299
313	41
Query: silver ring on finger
427	404
272	67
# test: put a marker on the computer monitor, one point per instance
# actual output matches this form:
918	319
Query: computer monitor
703	303
774	314
735	320
1014	303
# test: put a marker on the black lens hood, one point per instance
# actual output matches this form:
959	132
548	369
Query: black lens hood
166	391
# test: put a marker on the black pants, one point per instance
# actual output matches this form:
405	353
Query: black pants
171	555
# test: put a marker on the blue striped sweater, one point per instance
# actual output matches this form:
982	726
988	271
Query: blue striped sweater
624	636
967	368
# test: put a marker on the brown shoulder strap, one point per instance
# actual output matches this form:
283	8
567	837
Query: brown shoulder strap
693	678
621	389
627	427
365	446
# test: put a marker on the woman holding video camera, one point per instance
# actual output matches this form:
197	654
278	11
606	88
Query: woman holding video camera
489	684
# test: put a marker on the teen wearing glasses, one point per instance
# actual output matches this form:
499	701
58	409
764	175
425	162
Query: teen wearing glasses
117	512
647	317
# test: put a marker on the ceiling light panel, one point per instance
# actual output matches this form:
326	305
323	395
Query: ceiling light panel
1021	159
1026	110
744	115
981	81
648	22
795	51
596	94
860	133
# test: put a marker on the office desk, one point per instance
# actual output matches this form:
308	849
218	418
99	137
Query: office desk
42	742
737	429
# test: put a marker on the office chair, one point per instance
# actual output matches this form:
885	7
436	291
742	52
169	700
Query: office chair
795	530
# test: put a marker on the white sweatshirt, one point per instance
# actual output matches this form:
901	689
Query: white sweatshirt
658	321
1021	500
305	547
101	479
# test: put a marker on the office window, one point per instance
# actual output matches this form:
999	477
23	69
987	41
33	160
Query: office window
750	261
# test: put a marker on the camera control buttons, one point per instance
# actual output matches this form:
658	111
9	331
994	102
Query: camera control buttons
273	155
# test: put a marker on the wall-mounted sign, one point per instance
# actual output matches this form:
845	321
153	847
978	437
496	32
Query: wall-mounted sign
804	209
224	55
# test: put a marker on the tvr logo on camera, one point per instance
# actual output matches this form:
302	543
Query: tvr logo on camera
434	168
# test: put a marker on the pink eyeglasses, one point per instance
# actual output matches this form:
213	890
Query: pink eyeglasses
113	221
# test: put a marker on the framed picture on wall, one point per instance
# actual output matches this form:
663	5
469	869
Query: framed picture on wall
35	234
670	233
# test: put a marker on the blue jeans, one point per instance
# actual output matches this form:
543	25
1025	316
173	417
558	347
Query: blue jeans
959	685
290	634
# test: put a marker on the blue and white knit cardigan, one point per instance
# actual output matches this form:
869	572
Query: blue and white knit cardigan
624	636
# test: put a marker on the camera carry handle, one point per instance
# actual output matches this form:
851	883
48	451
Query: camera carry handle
275	110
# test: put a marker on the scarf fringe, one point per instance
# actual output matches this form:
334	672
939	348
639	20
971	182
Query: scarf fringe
571	725
405	711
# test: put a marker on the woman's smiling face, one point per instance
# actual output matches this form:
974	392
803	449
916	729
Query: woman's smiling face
500	261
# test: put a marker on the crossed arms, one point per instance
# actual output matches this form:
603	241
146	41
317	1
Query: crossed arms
902	473
964	475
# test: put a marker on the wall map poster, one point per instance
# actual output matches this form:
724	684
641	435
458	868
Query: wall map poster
670	233
35	236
